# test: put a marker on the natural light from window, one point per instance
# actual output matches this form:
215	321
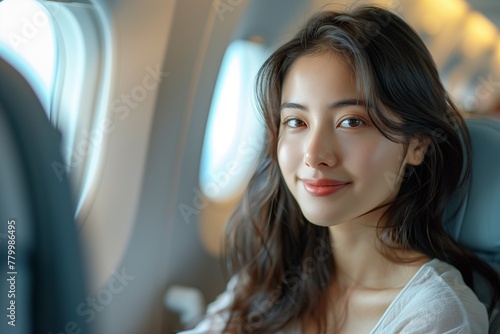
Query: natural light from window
25	29
233	137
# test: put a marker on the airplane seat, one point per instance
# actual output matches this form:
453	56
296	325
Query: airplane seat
475	222
37	229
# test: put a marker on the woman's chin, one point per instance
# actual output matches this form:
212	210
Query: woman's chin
320	221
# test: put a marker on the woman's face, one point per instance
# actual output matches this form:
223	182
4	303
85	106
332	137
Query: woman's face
335	162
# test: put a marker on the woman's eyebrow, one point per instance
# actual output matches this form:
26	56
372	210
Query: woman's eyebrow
334	105
346	103
292	105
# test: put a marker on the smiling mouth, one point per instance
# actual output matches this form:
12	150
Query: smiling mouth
323	187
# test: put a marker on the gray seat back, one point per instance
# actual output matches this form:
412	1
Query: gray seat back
47	272
475	222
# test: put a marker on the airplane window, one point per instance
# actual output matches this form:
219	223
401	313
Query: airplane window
25	29
63	48
233	137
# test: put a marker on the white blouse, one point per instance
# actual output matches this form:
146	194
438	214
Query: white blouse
435	301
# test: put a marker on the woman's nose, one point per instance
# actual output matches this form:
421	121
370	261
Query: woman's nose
320	150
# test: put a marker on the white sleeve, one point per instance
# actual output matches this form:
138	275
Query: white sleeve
448	318
217	314
437	302
438	311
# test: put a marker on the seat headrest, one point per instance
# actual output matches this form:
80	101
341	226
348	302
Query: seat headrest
53	281
475	222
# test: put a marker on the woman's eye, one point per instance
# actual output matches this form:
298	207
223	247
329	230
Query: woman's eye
351	123
294	123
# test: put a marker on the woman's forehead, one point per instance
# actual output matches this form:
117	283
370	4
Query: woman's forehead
319	71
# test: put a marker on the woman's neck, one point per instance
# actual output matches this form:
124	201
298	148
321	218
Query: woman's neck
360	262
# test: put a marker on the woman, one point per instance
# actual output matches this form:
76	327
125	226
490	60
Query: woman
340	228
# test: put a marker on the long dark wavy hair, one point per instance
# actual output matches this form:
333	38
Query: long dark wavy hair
285	263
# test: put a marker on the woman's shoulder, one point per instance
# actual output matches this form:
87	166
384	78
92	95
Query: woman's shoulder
436	300
442	280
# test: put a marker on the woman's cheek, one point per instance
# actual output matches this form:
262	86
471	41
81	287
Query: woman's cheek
288	154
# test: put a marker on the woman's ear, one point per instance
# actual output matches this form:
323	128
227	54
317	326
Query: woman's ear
417	149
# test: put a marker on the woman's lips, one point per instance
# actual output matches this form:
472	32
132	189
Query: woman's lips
323	187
